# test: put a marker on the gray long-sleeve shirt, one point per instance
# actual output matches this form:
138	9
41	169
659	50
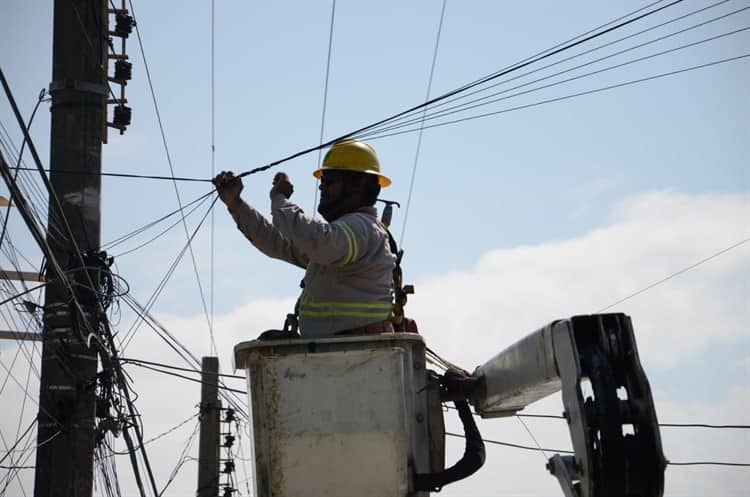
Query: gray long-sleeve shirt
348	263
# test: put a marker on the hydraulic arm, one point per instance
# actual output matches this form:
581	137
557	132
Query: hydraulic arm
606	396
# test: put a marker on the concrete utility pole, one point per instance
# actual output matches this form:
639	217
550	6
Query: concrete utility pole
208	450
64	463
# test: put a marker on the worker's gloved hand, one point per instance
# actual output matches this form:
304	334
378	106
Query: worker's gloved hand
282	185
229	187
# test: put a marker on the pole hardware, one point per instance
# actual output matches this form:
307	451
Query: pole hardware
82	86
123	70
124	24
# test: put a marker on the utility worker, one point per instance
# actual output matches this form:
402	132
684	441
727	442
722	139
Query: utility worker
348	262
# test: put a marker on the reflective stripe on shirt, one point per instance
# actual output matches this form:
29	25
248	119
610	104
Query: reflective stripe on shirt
375	310
351	241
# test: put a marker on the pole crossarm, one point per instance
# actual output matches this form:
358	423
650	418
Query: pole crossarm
26	336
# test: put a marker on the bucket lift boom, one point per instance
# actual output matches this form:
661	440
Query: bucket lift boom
606	396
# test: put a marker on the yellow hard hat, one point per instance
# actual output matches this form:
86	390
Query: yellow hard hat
353	155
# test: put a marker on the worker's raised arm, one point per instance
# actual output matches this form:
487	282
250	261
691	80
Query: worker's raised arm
256	228
322	242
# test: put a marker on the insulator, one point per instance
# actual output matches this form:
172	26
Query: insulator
229	416
123	113
228	467
228	441
123	71
123	25
228	491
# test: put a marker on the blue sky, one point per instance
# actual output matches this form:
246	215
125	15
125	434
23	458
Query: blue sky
579	202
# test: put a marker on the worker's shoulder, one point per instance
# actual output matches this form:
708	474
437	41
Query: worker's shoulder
364	221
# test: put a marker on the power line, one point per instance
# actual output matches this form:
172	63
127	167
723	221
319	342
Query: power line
677	273
55	206
121	175
467	94
484	100
212	252
663	425
177	368
19	440
18	163
182	460
421	128
515	446
670	463
117	241
543	55
177	375
161	435
704	425
325	95
569	96
160	286
164	231
179	348
176	189
708	463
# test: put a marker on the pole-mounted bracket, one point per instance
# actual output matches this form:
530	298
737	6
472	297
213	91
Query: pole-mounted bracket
81	86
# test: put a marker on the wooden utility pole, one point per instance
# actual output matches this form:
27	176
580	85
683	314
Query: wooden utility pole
208	450
64	462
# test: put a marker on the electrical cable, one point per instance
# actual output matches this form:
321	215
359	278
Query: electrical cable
19	440
182	459
182	351
160	287
120	175
505	81
677	273
485	100
661	425
533	438
708	463
421	129
325	99
704	425
163	232
212	237
18	163
55	205
512	445
220	387
160	435
117	241
126	360
572	95
466	87
176	189
26	393
21	294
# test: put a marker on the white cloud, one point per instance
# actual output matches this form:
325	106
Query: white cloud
511	292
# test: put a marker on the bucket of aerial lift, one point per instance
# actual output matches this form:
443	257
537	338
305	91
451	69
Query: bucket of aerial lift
342	416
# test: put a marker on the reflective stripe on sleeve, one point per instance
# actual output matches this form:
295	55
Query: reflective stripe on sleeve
351	243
